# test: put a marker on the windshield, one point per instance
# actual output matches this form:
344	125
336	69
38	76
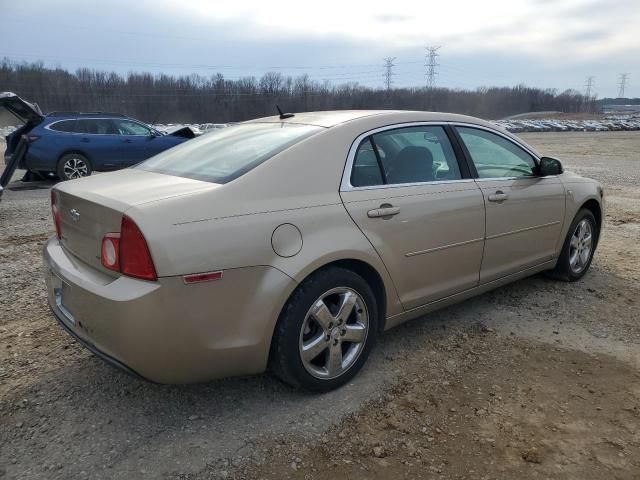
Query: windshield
226	154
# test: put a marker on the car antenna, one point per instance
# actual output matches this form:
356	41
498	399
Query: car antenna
284	115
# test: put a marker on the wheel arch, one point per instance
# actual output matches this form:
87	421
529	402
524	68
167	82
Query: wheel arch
372	277
360	267
594	207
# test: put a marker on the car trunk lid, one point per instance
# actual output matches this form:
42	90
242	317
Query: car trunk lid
25	111
30	115
93	206
83	223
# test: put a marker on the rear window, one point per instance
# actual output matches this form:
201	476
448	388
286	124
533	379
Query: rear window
228	153
68	126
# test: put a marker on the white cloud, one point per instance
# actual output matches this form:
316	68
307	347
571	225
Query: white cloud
541	28
547	43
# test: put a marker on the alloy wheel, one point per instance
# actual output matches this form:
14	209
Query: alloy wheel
334	333
75	167
581	246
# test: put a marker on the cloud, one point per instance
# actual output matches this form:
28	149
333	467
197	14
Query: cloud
392	18
534	41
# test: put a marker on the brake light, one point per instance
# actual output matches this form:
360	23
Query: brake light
135	258
55	212
127	252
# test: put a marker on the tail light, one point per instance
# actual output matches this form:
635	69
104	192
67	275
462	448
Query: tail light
55	212
127	252
30	138
110	253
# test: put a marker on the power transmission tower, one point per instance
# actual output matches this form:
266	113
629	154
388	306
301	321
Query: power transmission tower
589	86
431	56
623	84
590	101
388	74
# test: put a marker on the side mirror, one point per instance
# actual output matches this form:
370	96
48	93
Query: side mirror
550	166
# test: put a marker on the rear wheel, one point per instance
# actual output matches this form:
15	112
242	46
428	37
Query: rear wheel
579	246
73	165
325	331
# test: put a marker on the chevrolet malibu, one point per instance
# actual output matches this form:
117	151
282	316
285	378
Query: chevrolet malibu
290	243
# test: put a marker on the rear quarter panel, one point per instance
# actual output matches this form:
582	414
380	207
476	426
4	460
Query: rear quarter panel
328	234
43	154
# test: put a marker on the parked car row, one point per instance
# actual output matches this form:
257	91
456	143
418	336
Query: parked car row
608	124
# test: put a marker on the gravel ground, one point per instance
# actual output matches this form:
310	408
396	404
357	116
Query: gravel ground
538	379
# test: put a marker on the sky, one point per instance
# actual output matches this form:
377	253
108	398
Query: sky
541	43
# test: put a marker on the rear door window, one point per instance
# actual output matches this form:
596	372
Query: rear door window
405	155
366	170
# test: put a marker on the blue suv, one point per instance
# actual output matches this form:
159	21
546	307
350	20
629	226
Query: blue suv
73	144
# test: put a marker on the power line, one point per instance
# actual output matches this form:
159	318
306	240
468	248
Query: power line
623	84
388	73
432	55
143	63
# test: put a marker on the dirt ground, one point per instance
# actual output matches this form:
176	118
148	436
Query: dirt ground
538	379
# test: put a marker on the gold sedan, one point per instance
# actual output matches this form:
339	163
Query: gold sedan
292	242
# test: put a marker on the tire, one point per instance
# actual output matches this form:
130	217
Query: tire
337	345
73	165
572	265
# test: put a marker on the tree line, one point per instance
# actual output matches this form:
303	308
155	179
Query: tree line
161	98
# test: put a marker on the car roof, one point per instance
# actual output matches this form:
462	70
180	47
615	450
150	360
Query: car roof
333	118
356	122
86	114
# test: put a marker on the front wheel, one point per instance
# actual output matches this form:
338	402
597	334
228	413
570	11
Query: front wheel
73	165
579	246
325	331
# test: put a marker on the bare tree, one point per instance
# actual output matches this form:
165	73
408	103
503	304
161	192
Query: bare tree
196	98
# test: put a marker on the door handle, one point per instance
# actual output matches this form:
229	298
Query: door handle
127	140
385	210
498	197
85	140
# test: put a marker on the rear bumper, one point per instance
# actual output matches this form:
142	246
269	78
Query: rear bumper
62	321
167	331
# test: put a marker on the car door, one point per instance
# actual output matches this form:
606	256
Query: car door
98	139
135	142
524	211
405	189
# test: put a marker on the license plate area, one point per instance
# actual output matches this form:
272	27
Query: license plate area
61	291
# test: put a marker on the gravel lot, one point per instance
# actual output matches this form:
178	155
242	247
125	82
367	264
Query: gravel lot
538	379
